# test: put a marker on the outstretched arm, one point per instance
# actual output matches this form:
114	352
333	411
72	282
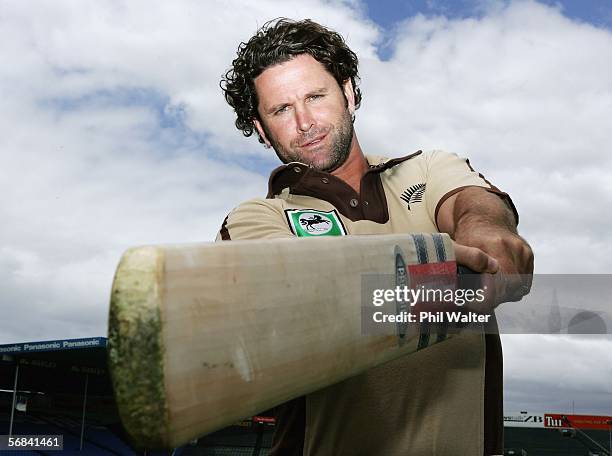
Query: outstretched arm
484	230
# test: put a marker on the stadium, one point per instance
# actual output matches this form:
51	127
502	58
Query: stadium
62	388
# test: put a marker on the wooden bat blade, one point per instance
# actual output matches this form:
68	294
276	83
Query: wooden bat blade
201	336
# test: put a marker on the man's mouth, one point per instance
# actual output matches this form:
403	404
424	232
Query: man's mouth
314	141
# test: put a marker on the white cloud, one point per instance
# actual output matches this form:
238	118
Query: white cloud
525	93
114	133
90	167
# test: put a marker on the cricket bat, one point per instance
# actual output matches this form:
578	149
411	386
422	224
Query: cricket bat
203	335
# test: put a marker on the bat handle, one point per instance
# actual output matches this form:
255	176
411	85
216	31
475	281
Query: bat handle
467	279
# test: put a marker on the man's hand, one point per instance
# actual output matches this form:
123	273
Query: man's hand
486	241
506	264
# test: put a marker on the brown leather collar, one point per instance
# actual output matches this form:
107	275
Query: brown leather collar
305	180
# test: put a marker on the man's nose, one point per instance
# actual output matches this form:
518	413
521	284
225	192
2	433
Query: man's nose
304	119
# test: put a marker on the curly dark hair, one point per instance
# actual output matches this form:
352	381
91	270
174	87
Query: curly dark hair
278	41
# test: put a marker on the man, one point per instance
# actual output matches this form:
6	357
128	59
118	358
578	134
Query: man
295	85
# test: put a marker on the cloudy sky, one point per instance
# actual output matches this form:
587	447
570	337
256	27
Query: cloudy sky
114	133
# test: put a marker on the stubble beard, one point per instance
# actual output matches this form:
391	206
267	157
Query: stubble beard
339	149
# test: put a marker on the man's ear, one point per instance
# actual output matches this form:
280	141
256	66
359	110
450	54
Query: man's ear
262	132
349	94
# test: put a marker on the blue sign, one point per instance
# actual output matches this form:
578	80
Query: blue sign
53	345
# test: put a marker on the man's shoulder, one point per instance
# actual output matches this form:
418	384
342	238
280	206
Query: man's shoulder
420	156
259	204
390	161
256	218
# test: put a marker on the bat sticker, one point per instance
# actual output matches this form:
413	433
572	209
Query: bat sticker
401	280
311	222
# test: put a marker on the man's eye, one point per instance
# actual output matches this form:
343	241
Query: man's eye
281	110
314	97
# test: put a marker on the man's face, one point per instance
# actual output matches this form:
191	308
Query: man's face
304	113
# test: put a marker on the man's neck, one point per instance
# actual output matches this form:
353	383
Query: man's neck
354	167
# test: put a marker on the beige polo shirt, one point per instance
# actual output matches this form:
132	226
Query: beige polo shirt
444	400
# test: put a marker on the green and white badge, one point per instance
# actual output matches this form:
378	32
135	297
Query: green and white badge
310	222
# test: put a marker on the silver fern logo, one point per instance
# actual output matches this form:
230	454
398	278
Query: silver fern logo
413	194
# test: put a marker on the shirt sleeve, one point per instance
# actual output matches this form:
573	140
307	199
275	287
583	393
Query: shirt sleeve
448	174
254	219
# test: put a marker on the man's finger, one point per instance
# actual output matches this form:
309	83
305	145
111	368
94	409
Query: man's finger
475	259
517	286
